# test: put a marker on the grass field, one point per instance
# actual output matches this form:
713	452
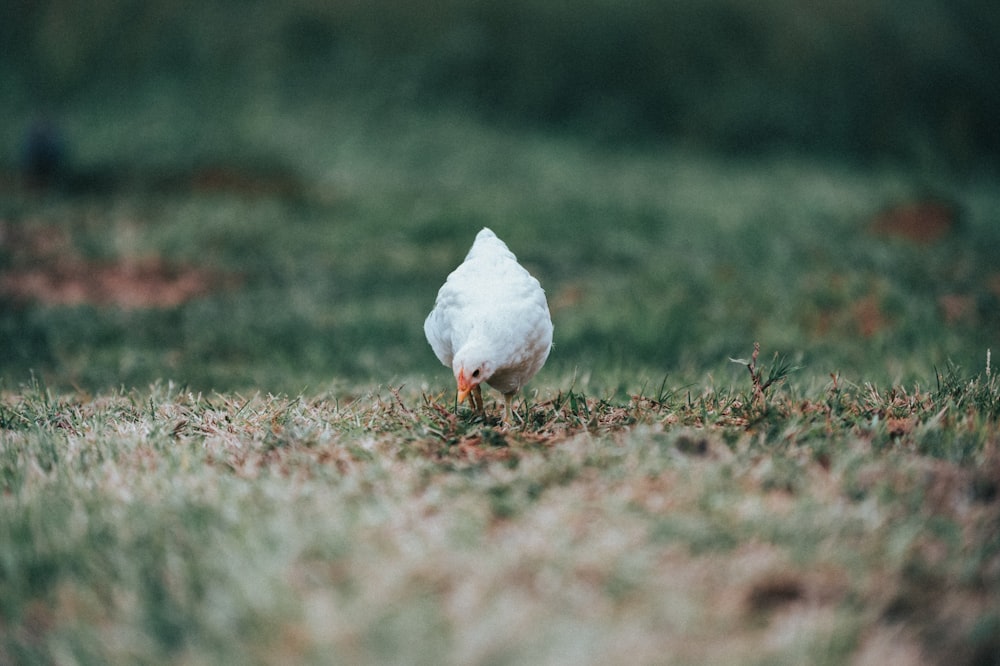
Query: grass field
849	525
768	432
265	465
322	253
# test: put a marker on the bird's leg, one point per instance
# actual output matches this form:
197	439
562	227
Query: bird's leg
508	398
477	399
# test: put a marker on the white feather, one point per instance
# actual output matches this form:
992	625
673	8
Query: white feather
491	312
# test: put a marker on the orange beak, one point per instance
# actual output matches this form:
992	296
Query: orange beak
464	387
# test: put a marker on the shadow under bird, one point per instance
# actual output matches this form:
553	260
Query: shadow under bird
490	323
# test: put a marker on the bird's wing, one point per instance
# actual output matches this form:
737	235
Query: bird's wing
437	329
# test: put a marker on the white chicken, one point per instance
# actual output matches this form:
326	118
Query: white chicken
490	323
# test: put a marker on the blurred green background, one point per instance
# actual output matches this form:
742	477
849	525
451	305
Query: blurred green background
684	178
863	79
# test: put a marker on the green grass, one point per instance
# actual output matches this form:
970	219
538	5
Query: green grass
274	471
228	479
656	262
803	525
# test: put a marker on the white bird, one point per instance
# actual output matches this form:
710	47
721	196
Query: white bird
490	322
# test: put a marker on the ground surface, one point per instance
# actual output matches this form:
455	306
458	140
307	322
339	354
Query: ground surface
844	525
223	438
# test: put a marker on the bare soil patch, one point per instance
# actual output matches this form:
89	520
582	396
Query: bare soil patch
924	222
45	268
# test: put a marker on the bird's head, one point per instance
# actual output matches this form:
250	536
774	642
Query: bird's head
470	370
